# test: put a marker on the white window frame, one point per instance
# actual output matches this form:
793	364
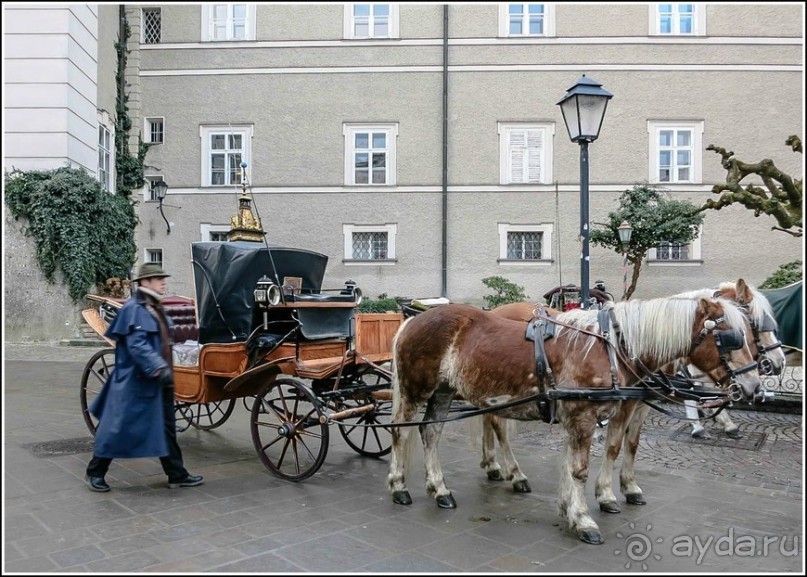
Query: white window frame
108	155
505	130
654	128
393	27
349	131
148	190
698	20
143	23
149	253
208	19
147	124
546	243
504	21
348	229
694	250
205	230
205	132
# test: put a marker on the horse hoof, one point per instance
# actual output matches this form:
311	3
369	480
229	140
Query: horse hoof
522	487
495	475
699	434
635	499
734	434
591	536
610	507
402	498
446	501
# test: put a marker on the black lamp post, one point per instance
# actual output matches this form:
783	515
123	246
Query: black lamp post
583	109
625	231
160	189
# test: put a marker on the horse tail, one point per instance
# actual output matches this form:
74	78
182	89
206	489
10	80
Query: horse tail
407	451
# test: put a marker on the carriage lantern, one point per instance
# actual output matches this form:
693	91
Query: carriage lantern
583	108
266	293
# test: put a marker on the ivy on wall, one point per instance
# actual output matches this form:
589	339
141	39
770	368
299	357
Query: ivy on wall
129	168
77	226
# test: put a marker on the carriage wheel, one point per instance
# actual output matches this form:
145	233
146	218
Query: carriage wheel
286	431
206	416
368	441
182	415
96	372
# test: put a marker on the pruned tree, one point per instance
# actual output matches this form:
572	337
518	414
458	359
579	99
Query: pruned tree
654	218
780	198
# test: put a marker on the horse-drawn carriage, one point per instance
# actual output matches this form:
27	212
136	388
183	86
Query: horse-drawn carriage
263	329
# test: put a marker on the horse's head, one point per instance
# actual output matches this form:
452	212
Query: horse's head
722	350
770	356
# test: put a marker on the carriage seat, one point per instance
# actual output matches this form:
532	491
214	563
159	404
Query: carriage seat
184	317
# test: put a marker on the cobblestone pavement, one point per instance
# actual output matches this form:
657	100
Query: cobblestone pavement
721	505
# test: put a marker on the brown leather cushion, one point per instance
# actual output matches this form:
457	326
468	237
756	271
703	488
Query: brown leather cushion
185	327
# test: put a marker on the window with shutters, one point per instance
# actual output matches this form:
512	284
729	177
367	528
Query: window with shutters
228	22
525	244
526	153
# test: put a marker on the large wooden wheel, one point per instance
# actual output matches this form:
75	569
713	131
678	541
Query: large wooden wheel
286	430
368	441
96	373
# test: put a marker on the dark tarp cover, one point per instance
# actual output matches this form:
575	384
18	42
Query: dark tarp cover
786	304
225	275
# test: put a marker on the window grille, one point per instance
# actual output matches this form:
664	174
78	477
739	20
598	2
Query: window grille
219	236
154	255
369	245
524	245
156	131
152	20
672	251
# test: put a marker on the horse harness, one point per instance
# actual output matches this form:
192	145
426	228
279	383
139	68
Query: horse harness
657	383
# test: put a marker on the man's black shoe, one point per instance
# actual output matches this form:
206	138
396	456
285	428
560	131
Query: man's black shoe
97	484
189	481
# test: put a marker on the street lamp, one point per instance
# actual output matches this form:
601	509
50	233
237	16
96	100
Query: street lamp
160	189
583	108
625	231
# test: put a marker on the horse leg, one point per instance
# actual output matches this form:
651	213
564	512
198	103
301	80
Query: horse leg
603	488
692	413
627	475
436	409
511	467
402	446
489	464
729	427
579	422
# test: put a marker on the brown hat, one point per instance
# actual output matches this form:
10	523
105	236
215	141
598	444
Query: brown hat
150	270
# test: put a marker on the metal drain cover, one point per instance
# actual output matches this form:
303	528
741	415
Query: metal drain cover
60	447
747	441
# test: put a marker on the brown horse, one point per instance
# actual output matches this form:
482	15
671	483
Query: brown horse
460	350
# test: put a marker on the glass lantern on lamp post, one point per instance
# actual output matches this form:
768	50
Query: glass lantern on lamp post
583	108
625	231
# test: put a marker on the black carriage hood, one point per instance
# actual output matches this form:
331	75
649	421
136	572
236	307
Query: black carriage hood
225	275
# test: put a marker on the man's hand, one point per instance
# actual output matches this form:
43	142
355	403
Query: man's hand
165	377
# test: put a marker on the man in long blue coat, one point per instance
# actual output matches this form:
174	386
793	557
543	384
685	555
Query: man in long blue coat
135	408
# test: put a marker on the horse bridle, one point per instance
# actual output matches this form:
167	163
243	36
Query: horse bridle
726	340
768	325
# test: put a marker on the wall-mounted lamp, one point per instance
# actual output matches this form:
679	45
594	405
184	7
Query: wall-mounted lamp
161	189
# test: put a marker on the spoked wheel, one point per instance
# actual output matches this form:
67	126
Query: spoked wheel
286	431
206	416
368	441
182	415
96	373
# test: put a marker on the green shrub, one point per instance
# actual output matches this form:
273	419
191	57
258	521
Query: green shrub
505	291
787	273
380	305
